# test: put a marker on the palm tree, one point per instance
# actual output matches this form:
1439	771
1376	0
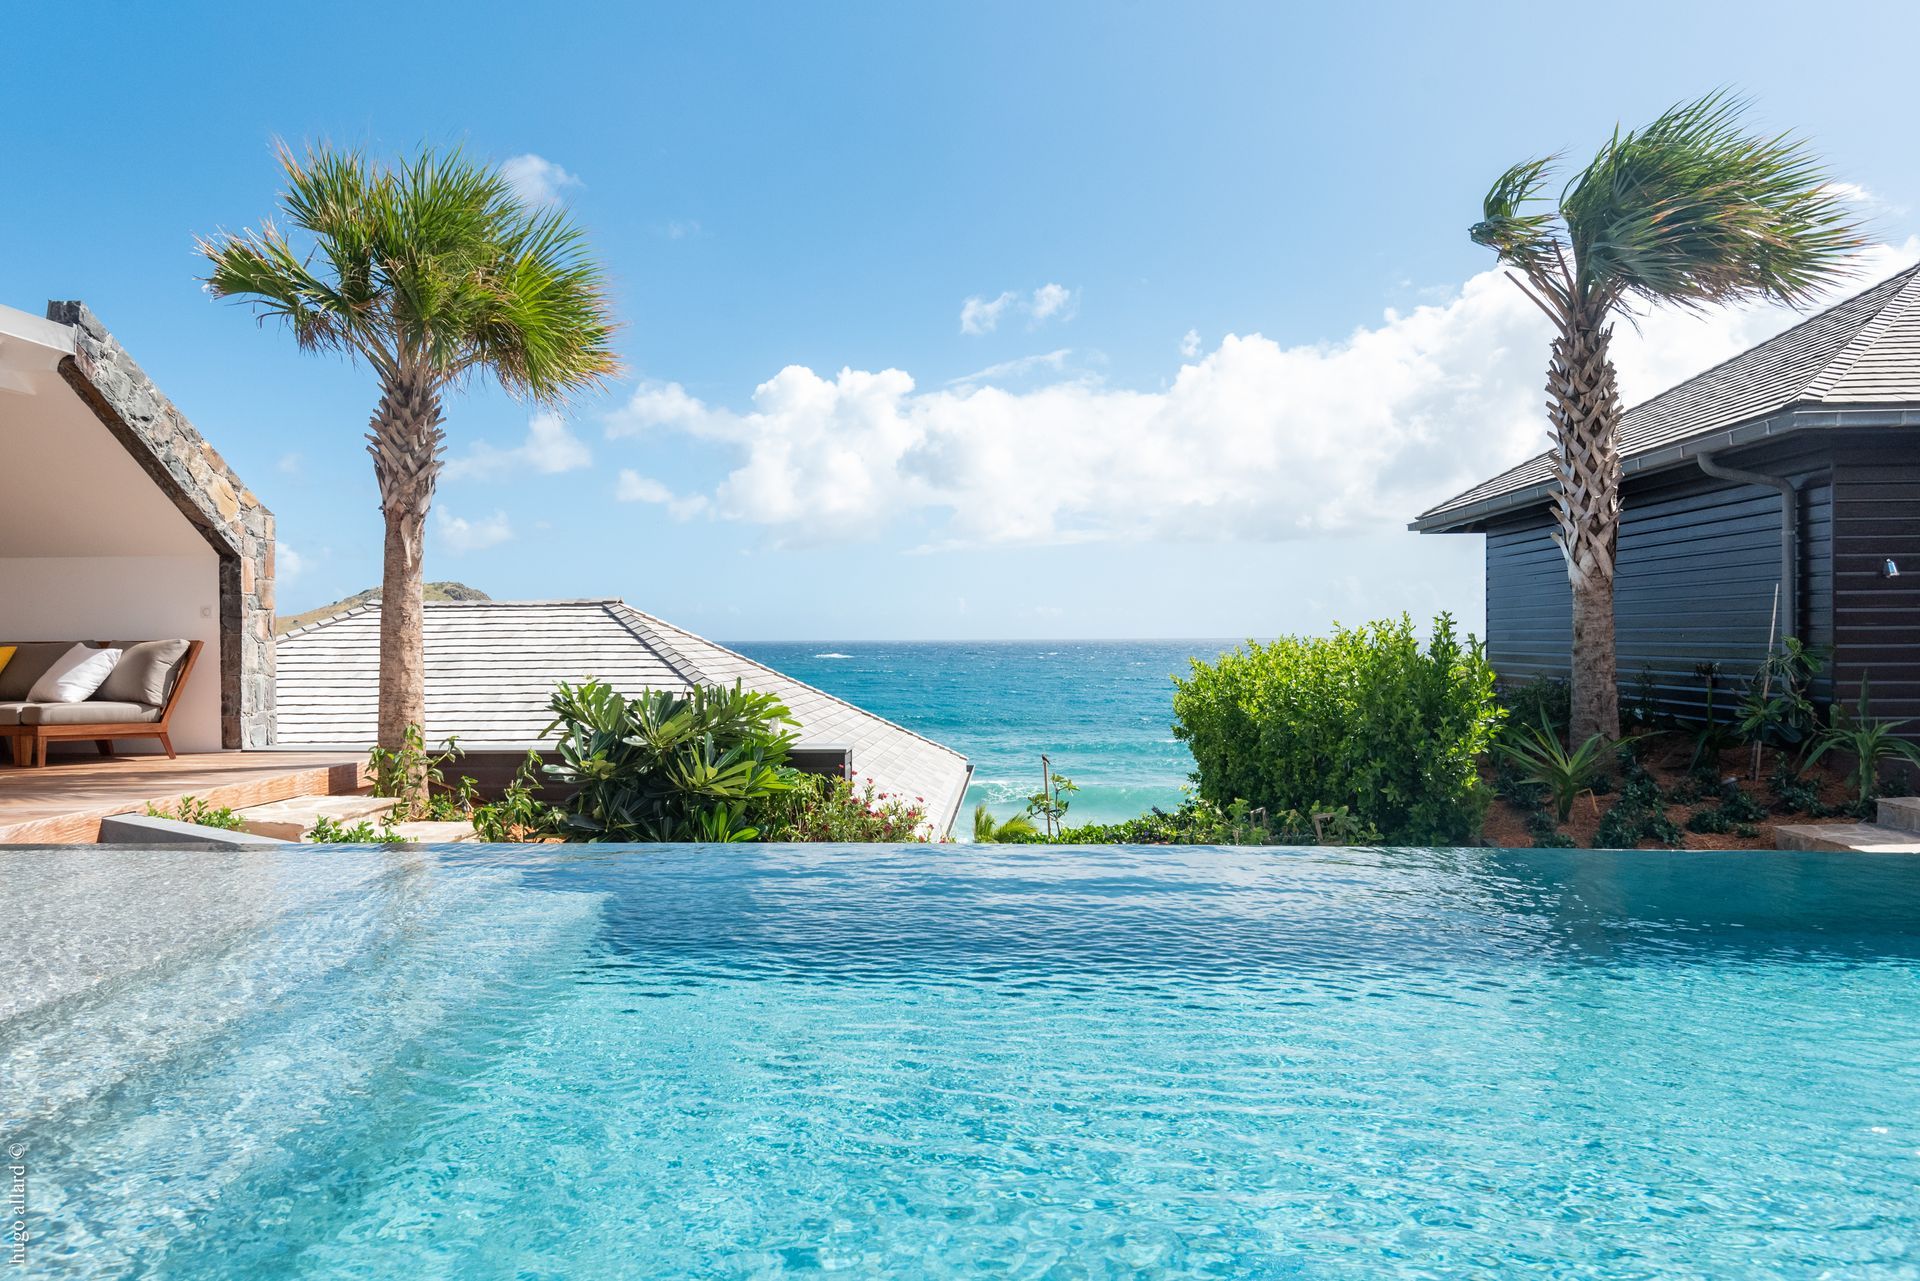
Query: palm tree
1691	211
434	273
1015	829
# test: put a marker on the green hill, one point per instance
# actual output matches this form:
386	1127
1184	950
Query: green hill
428	591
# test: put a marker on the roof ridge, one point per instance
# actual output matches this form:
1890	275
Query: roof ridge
681	665
324	619
1868	335
784	676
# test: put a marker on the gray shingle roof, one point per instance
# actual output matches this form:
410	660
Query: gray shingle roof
1863	351
492	665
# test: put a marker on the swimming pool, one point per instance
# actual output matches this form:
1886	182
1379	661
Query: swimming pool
736	1061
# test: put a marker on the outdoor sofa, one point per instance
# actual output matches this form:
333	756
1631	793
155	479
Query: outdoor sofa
135	700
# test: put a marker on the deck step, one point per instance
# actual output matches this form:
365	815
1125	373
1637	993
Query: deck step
1867	837
1902	812
293	819
426	833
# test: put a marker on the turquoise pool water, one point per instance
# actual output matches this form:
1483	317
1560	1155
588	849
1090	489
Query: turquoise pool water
714	1062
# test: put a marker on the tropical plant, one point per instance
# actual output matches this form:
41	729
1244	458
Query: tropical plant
1691	211
1016	828
1540	758
328	831
1367	719
664	766
435	273
1201	822
1547	698
518	815
1638	815
1050	803
417	778
832	807
1866	738
1778	711
191	809
1711	735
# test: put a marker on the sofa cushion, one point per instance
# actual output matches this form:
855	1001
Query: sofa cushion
10	712
31	659
92	712
144	672
74	676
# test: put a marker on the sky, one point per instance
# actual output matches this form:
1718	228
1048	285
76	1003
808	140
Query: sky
942	321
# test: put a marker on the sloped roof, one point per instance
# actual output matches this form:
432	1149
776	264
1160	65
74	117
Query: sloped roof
492	666
1864	351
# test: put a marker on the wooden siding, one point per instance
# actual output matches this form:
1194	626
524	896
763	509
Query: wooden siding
1876	515
1698	564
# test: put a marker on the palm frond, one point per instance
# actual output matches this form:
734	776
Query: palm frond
1522	239
1694	211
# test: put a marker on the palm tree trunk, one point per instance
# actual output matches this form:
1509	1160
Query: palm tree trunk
406	443
1585	409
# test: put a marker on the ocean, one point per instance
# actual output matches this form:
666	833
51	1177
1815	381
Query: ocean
1101	710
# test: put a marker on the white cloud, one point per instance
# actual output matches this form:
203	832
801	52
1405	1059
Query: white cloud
460	535
289	464
537	180
550	448
635	488
1250	441
980	316
1190	344
1050	301
288	564
1017	368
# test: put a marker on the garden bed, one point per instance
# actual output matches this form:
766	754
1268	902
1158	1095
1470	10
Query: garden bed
1684	794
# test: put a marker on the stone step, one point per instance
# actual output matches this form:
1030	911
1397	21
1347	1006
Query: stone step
291	820
424	833
1865	837
1902	812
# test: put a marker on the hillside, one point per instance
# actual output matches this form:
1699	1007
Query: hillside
428	591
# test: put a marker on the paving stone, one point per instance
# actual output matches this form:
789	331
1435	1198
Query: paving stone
292	820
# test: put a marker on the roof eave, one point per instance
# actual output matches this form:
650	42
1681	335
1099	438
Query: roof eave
1790	421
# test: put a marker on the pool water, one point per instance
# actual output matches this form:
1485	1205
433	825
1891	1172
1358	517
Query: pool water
721	1062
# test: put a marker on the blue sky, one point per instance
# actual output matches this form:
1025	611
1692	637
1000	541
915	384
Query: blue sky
1156	320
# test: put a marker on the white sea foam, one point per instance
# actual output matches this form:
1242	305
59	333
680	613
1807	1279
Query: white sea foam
833	655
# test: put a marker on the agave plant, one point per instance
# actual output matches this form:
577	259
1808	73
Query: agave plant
1869	740
1541	758
1691	211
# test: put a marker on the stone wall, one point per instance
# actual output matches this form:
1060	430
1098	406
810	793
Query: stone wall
208	494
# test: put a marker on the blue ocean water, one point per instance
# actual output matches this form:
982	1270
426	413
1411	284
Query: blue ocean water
761	1061
1101	710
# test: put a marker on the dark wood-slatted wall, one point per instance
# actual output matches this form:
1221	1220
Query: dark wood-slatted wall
1876	517
1698	563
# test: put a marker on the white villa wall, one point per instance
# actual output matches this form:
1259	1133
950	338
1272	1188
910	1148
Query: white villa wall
90	549
99	598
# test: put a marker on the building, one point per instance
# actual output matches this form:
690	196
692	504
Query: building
1792	468
119	520
491	667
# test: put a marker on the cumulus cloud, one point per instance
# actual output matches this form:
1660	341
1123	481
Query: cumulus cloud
1190	344
537	180
635	488
288	564
1049	302
460	535
549	449
1252	440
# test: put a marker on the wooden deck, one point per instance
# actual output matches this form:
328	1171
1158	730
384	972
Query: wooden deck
63	803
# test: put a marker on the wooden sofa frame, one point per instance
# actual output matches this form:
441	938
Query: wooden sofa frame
33	739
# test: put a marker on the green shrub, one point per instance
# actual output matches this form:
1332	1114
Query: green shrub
518	815
817	807
1201	822
668	767
1545	698
1364	719
191	809
1868	739
327	831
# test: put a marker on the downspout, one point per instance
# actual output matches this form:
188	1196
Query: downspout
1789	533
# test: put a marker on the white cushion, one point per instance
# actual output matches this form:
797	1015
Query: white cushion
74	676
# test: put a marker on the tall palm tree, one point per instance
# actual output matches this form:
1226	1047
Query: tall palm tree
1691	211
434	273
